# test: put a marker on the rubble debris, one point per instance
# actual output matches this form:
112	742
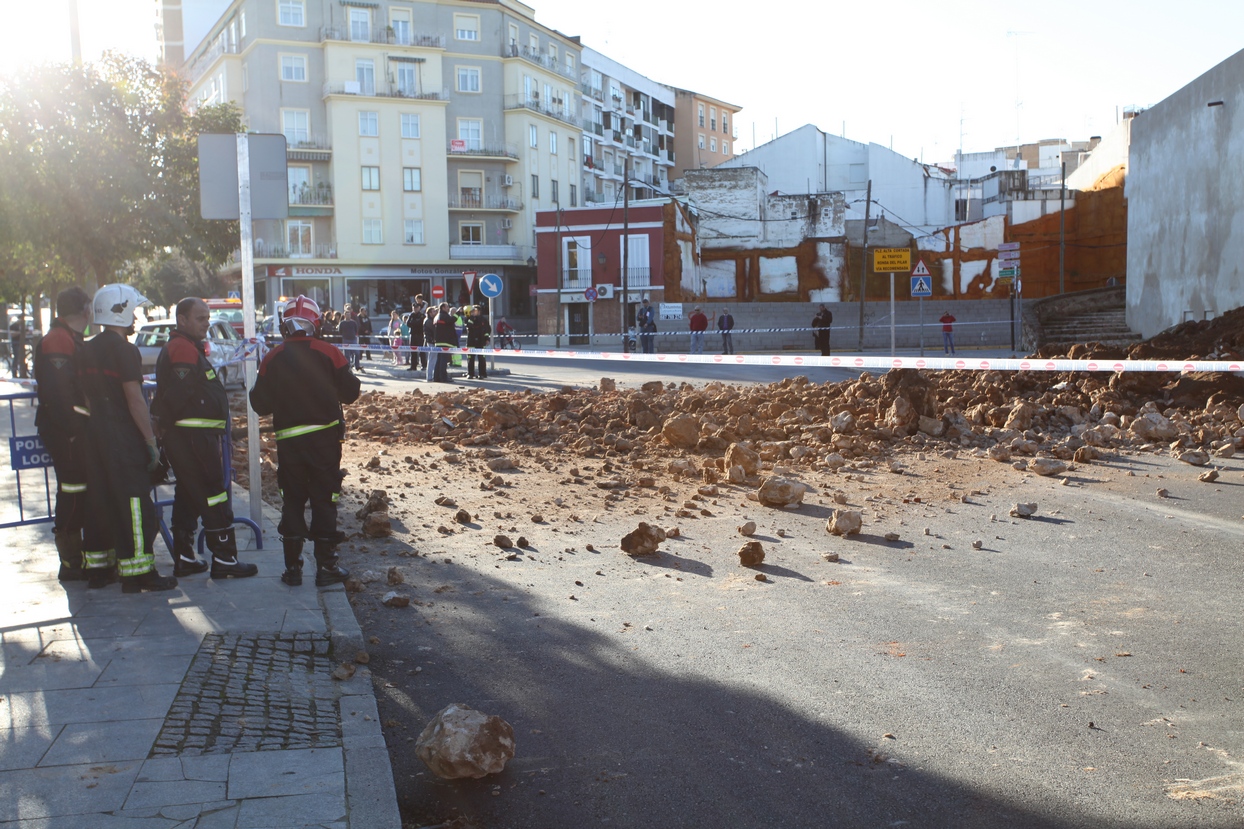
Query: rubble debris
394	577
1194	457
1046	467
643	541
1209	476
844	522
502	541
462	742
462	517
1024	510
395	599
751	554
747	529
377	525
780	493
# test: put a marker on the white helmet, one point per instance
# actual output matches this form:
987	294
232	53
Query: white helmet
115	305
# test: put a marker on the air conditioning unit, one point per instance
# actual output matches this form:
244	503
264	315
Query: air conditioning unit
507	180
506	224
604	292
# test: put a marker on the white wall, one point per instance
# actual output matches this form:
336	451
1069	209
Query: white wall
1185	193
1106	156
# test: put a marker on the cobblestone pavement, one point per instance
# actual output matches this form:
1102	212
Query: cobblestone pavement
254	693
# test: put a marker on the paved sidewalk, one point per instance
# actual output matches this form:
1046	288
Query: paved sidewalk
211	706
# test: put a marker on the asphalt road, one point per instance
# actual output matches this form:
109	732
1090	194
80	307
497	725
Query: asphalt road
1068	674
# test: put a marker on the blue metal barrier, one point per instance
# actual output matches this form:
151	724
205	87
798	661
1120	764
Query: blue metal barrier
26	454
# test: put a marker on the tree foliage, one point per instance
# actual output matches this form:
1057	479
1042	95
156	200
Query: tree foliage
99	168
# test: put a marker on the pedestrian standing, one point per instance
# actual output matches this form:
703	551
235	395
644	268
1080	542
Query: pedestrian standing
365	331
123	444
190	411
646	322
445	332
948	333
820	329
698	325
348	329
477	336
302	384
395	337
429	341
61	421
418	311
725	324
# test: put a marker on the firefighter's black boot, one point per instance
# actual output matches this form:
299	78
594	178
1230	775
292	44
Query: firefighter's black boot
225	564
69	549
326	569
185	562
151	581
293	561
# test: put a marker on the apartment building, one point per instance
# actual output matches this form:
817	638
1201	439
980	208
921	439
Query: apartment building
422	138
706	133
628	132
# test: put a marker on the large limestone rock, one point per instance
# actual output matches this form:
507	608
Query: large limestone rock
462	742
378	525
501	415
1153	426
643	541
902	417
1047	466
780	492
844	522
1021	416
682	431
738	455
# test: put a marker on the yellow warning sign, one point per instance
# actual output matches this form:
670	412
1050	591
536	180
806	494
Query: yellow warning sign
892	260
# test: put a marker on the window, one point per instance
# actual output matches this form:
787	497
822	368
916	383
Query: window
471	130
365	74
408	79
535	186
533	43
576	261
701	141
299	179
712	118
570	64
712	143
637	255
298	238
468	79
412	179
242	24
371	178
556	199
701	115
369	124
400	21
466	26
553	55
471	233
410	125
552	142
725	126
294	125
413	232
533	133
725	146
292	12
574	196
373	232
360	24
470	188
513	41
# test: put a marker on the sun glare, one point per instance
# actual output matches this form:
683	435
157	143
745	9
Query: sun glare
35	33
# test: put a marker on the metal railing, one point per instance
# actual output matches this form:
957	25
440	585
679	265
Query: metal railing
513	50
311	142
513	253
495	150
561	113
465	202
319	194
222	46
576	279
384	90
636	278
592	91
263	250
382	34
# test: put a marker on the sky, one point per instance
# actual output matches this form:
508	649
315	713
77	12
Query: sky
918	76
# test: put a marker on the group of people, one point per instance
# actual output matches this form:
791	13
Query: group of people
109	447
646	324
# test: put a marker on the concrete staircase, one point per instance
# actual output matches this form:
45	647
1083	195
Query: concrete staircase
1097	315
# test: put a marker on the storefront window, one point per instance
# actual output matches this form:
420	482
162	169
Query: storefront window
316	289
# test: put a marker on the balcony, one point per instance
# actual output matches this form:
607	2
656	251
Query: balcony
382	34
222	46
320	195
308	147
471	202
510	253
461	147
593	127
636	278
382	90
576	280
592	91
513	50
267	251
552	109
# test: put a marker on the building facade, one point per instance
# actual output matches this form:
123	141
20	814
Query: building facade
422	138
706	131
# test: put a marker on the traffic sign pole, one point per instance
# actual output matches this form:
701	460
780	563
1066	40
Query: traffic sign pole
921	301
892	326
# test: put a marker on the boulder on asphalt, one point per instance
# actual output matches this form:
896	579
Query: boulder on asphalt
844	522
608	384
737	475
1024	510
1085	454
395	599
378	525
502	464
1153	427
462	742
1195	457
643	541
394	577
739	455
462	517
1021	416
902	418
1209	476
1000	453
751	554
1046	467
835	461
932	426
502	541
780	492
682	432
653	387
378	501
747	529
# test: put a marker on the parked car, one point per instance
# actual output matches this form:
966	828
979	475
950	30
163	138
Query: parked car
224	345
229	310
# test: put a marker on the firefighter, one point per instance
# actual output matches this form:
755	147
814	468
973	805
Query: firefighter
190	411
62	423
302	384
123	445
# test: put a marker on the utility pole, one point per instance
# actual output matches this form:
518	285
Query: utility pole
626	244
558	275
868	203
1062	226
75	40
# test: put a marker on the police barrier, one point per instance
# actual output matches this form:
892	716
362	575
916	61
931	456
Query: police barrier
27	455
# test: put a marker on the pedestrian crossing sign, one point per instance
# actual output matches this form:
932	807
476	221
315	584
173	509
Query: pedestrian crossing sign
921	286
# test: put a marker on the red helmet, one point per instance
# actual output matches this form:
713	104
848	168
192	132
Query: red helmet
301	315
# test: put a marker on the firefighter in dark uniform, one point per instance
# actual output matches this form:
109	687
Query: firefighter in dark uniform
302	384
190	411
62	421
123	445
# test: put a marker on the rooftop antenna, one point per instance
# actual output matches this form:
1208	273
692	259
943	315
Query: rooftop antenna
1018	102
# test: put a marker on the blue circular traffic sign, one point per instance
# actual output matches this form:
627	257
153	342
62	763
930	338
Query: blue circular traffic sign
590	295
490	285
